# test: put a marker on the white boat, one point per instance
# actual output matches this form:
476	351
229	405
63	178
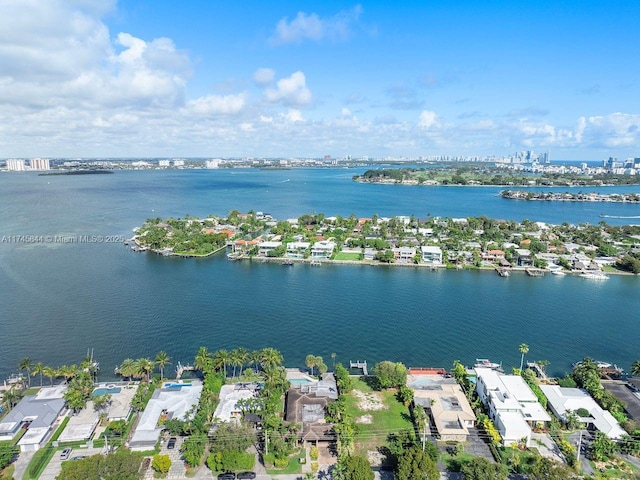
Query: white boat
485	363
560	273
595	275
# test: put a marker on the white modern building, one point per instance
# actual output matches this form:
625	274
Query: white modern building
39	164
16	165
563	400
175	400
297	249
266	247
431	255
512	405
322	249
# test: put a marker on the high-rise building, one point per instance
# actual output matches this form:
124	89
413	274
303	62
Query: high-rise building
213	163
16	165
39	164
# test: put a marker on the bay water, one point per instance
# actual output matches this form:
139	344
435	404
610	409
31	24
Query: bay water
59	299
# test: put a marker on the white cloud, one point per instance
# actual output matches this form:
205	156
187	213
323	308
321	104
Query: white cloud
264	76
614	130
428	120
290	91
217	104
313	27
293	116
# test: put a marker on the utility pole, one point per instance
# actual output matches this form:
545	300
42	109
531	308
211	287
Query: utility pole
424	435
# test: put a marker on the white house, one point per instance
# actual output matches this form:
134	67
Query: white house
297	249
266	247
512	405
563	400
323	249
431	255
404	254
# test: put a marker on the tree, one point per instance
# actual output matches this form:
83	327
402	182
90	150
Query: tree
162	360
414	464
524	349
357	467
25	364
333	359
220	360
390	374
116	466
49	372
38	369
313	361
547	469
270	358
635	368
193	449
480	468
161	463
127	368
602	448
144	368
202	360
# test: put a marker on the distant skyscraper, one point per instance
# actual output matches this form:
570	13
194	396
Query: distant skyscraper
214	163
16	165
39	164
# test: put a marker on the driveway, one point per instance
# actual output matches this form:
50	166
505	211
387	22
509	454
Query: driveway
55	465
632	402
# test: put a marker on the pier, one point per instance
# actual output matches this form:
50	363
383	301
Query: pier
538	369
180	369
359	365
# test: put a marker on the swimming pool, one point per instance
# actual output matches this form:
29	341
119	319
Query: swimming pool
175	385
296	382
103	390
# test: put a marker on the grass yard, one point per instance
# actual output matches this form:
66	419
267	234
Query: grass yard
377	414
354	257
294	466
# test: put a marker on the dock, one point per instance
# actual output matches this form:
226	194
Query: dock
359	365
538	369
534	272
180	369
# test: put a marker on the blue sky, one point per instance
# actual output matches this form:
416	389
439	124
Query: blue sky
293	79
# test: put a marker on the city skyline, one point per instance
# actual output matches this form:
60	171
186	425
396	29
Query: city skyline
158	79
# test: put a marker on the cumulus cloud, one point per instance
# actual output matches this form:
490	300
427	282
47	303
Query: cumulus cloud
293	116
291	91
217	104
428	120
263	76
313	27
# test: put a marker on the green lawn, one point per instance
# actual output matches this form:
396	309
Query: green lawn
294	465
393	418
348	256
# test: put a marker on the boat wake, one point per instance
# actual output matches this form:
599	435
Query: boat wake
602	215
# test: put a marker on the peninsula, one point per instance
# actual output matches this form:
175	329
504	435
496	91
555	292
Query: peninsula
496	175
434	242
571	197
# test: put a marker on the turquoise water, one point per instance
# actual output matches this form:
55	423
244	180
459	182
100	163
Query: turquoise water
177	386
299	381
103	391
60	299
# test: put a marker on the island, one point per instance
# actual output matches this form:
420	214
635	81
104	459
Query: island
571	197
432	242
494	175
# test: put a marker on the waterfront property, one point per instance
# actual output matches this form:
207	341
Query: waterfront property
231	397
512	405
168	403
37	414
431	255
445	402
306	403
563	400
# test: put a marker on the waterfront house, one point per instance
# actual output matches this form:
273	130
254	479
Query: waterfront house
37	414
493	256
265	247
231	397
512	406
445	403
525	259
175	400
563	400
306	403
404	254
297	249
370	253
431	255
322	249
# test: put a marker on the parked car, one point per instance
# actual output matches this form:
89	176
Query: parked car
172	443
246	475
632	387
227	476
78	457
65	453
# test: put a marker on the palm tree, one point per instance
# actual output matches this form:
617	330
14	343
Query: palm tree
11	397
635	368
524	349
25	364
144	368
202	360
66	372
243	357
49	372
270	357
333	358
162	359
220	359
127	368
38	368
254	358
